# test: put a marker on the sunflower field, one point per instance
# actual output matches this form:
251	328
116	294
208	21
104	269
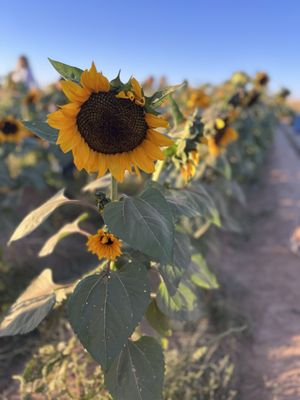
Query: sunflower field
115	197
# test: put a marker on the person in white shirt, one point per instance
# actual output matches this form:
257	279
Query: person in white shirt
23	74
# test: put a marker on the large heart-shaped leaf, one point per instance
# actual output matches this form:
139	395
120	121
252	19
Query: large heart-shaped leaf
31	307
105	309
138	371
145	222
37	216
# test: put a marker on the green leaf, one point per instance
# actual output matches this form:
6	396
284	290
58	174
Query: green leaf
138	372
67	71
158	320
42	130
182	251
182	304
172	273
191	203
177	114
200	275
145	222
31	307
105	309
38	216
159	96
66	230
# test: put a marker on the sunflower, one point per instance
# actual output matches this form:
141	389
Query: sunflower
108	128
188	170
198	98
224	135
11	130
104	245
261	78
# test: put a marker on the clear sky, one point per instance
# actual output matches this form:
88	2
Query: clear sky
198	40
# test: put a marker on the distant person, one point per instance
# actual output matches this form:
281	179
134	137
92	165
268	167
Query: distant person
23	74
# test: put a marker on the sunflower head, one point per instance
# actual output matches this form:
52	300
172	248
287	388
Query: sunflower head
252	98
11	130
108	126
188	169
104	245
261	78
224	135
198	99
239	78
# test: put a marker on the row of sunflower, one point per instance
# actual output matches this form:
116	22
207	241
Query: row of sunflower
167	171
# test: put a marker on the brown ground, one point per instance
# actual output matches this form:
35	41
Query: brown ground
266	282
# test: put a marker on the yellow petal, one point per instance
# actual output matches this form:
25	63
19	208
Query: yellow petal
155	122
159	139
56	119
74	92
136	88
219	123
152	151
70	110
102	164
81	153
94	81
212	147
122	95
140	158
114	164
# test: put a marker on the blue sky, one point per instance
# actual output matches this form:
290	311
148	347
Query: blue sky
198	40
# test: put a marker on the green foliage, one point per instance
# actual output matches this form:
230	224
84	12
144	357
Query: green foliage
42	130
66	230
182	302
160	96
137	373
31	307
158	320
67	71
39	215
111	304
144	222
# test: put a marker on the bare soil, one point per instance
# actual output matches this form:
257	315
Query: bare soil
265	281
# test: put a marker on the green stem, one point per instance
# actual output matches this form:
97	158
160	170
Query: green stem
158	170
114	189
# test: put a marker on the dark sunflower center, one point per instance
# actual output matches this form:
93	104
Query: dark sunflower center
9	128
110	125
219	135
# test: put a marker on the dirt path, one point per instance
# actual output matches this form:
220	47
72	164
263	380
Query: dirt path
267	282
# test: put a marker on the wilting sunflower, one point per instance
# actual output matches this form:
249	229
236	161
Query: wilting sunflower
188	170
108	129
104	245
11	130
224	135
